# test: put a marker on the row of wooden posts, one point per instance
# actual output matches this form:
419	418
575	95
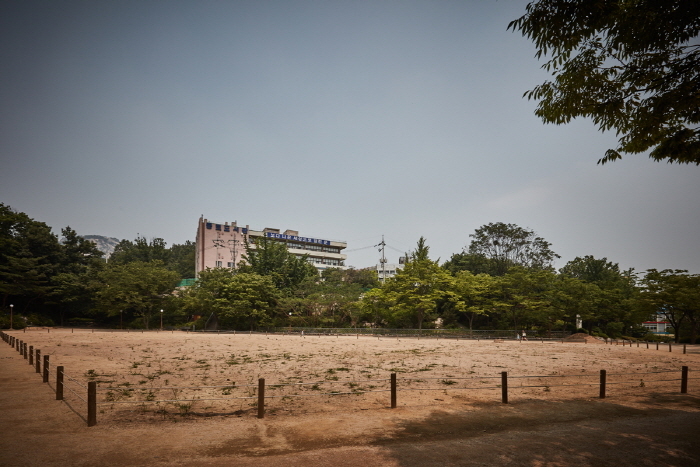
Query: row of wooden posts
34	357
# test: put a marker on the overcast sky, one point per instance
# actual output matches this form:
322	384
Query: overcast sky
344	120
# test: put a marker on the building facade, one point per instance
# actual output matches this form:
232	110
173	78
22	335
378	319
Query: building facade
223	246
660	327
388	270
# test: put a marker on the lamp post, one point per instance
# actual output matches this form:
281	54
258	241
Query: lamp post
161	319
11	310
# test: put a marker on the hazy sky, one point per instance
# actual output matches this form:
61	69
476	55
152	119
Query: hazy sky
344	120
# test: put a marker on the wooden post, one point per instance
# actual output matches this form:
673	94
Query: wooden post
647	344
602	383
59	383
393	390
684	380
669	347
684	349
504	387
46	369
657	346
25	351
261	397
38	361
31	355
92	403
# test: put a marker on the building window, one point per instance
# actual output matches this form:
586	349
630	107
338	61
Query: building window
218	264
230	264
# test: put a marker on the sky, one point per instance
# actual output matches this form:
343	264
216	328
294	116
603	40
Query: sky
343	120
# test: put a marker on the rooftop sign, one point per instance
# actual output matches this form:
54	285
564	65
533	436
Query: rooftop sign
297	238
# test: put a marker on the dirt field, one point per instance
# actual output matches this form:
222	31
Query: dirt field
327	402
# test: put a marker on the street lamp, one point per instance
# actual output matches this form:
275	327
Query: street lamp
161	319
11	309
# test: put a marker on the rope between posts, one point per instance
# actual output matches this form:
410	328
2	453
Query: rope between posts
358	393
175	400
230	386
445	388
76	382
75	393
236	386
332	382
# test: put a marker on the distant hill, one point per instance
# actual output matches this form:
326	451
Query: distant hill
104	244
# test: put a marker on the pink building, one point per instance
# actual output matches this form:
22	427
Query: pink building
223	246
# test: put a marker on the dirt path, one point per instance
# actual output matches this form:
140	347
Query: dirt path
653	429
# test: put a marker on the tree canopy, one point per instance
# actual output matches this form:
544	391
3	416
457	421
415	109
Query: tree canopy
496	247
630	66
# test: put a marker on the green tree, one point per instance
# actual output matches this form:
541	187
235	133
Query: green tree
137	287
502	246
75	284
29	257
416	291
475	294
239	299
474	263
182	258
632	66
141	250
613	299
675	294
271	258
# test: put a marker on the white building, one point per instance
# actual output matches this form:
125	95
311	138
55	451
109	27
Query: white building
661	326
388	270
223	246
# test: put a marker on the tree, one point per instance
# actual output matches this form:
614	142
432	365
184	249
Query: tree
239	300
182	259
631	66
29	256
601	272
179	257
474	294
503	246
270	258
142	250
136	287
675	294
416	290
612	295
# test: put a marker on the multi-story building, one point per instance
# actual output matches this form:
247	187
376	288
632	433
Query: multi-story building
223	246
661	326
388	270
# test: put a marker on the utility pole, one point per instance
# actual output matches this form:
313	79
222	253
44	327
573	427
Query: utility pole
383	260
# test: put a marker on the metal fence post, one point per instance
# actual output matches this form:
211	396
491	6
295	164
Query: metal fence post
393	390
504	387
603	375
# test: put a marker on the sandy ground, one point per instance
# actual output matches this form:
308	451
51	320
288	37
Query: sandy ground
190	399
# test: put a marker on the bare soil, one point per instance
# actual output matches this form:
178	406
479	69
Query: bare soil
190	399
